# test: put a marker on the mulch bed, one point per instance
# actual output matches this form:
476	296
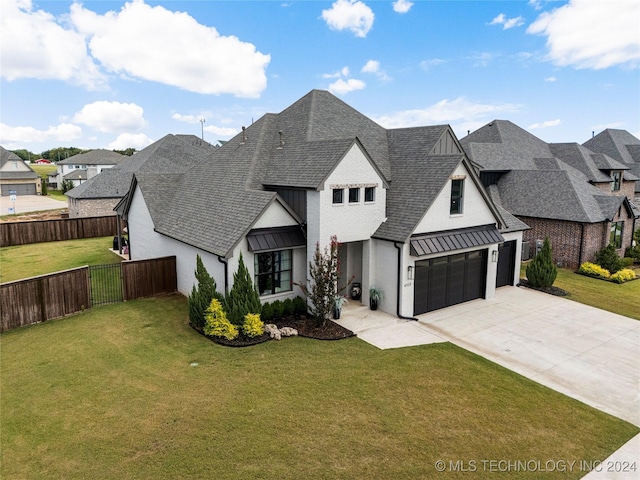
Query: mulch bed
558	292
303	324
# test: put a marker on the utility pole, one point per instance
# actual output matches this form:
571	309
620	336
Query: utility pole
202	120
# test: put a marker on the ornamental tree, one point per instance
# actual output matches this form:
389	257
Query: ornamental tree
243	297
542	272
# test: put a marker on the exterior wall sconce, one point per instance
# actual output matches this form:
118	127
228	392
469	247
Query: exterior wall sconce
494	256
410	272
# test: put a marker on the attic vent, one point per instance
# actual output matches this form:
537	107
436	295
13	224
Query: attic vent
244	135
281	140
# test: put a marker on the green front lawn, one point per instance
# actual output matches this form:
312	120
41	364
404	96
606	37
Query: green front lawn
623	299
23	261
131	391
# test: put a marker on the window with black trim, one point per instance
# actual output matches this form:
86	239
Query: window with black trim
369	194
354	195
338	195
457	191
615	237
615	186
273	272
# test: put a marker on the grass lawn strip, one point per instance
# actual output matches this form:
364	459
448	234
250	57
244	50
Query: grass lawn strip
623	299
112	393
24	261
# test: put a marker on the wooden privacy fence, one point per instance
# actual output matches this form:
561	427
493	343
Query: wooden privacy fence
37	299
23	233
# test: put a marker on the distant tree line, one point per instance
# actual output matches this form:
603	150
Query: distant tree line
61	153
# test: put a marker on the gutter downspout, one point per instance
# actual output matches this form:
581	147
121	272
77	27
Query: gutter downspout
581	244
395	244
224	261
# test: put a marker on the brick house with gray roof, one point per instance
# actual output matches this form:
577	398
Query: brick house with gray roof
576	197
406	205
100	194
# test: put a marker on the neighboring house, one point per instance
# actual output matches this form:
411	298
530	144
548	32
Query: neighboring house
100	194
564	191
79	168
623	147
17	176
406	205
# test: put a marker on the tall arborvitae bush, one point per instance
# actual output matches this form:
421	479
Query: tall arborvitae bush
542	272
201	296
243	297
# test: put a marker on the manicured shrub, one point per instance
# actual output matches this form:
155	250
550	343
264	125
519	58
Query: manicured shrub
633	253
216	323
623	275
243	297
267	312
201	296
277	309
626	262
542	272
609	259
592	270
252	326
299	306
287	307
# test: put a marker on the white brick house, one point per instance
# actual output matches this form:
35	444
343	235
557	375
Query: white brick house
409	211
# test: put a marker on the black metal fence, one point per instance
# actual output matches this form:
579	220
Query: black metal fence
106	284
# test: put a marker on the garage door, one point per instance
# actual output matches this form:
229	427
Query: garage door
506	263
445	281
19	188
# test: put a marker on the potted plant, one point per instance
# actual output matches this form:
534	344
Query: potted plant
375	295
338	303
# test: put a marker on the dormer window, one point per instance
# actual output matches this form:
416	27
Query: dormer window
615	186
457	193
370	194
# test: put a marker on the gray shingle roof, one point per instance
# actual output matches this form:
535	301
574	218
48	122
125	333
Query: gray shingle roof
620	145
589	163
502	145
555	194
170	154
8	156
220	197
94	157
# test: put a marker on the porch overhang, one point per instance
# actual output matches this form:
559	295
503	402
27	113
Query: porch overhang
450	240
276	238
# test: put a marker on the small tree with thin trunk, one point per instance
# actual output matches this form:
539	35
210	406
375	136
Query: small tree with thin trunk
324	273
542	272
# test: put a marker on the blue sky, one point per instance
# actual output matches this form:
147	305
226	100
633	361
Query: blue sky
115	74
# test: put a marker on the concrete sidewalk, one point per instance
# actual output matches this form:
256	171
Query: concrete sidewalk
584	352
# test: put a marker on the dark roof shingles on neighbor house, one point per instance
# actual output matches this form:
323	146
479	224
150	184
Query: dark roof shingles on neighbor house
620	145
8	156
94	157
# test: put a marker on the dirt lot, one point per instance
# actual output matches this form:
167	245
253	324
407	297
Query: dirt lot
25	217
31	205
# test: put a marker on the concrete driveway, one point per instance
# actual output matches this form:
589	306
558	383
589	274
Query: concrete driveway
584	352
30	203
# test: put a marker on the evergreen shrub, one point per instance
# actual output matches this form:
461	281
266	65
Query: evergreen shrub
287	307
252	326
299	306
542	272
201	296
592	270
243	297
216	322
623	275
609	259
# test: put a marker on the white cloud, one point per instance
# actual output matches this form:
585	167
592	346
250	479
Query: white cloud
550	79
216	130
592	34
130	140
153	43
111	117
507	23
462	114
434	62
547	124
402	6
64	132
373	66
342	87
352	15
34	45
482	59
343	72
